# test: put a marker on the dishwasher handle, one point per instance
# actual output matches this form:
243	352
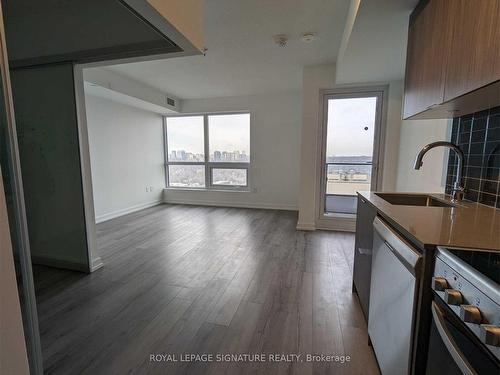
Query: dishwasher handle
406	254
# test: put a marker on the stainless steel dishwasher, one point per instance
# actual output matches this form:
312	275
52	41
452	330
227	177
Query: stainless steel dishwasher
393	293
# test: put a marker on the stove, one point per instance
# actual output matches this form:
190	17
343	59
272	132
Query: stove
466	310
484	262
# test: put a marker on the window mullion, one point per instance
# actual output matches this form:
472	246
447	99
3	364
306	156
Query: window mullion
165	151
208	177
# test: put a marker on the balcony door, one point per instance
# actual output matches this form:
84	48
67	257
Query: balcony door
350	159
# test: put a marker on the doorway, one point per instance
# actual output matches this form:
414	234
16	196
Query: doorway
352	134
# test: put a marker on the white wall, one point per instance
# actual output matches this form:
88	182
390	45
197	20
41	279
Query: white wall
414	135
392	136
403	141
274	147
105	81
314	78
126	154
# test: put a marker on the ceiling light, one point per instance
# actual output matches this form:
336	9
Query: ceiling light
281	40
308	37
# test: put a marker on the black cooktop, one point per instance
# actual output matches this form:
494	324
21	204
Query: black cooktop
487	263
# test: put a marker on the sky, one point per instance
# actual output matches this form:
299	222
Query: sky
227	133
346	135
347	119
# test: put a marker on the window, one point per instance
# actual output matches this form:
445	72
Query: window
229	137
210	151
192	176
229	177
185	139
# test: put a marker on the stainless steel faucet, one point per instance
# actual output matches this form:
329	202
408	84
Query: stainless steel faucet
458	189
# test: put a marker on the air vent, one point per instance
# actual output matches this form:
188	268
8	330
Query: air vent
170	101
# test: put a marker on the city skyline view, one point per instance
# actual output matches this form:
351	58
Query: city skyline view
348	178
349	159
216	156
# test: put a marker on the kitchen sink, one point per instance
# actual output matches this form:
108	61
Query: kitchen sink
413	200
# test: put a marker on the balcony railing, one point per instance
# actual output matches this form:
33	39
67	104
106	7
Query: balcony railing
343	180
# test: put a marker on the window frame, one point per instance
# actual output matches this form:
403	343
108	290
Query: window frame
209	165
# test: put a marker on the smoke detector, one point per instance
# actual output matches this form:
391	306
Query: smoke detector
308	37
281	40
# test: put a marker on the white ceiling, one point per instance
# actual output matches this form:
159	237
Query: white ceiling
242	58
376	50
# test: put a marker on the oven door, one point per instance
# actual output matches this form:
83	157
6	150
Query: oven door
453	349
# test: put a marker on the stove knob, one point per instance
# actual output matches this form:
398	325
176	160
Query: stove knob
470	314
439	284
490	334
452	297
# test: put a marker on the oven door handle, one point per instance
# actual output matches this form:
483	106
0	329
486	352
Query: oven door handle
448	341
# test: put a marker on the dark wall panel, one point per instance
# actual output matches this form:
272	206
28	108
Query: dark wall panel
478	135
47	129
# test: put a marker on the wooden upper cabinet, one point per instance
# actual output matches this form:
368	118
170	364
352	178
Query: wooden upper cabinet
428	38
453	58
473	52
497	43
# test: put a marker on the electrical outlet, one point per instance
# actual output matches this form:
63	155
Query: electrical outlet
150	188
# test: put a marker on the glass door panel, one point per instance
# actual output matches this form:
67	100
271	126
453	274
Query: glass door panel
350	132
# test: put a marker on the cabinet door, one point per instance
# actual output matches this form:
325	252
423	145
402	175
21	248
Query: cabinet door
474	50
496	46
363	252
428	38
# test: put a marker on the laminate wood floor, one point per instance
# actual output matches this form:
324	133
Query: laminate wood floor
187	279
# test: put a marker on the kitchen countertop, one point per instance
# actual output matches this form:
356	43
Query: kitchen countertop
469	224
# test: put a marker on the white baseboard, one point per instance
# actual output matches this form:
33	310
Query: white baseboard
199	202
334	224
337	224
306	226
96	264
125	211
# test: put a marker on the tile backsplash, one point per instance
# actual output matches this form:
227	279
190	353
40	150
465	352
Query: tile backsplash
478	135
